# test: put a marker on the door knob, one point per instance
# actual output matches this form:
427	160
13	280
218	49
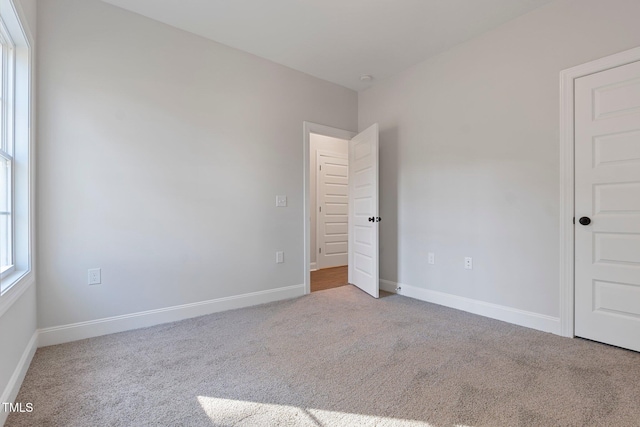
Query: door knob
378	219
372	219
585	220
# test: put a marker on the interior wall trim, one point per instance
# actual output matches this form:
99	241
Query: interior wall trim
512	315
15	382
143	319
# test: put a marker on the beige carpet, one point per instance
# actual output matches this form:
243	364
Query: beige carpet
335	357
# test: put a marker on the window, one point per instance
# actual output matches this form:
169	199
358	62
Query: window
6	152
16	180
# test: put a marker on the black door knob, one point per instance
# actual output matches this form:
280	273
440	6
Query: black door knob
585	220
378	219
371	219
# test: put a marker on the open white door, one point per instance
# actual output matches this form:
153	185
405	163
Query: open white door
363	211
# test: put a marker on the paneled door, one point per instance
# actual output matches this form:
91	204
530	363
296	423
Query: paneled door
333	209
607	206
363	211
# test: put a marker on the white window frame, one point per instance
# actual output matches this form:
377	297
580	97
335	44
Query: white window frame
6	135
20	115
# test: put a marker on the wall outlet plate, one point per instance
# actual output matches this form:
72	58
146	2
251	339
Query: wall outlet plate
95	276
281	201
431	257
468	263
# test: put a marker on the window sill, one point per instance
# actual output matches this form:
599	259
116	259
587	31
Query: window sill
17	283
4	274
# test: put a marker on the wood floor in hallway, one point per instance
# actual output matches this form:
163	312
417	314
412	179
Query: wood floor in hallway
329	278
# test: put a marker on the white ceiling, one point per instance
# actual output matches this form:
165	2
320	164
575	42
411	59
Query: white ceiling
336	40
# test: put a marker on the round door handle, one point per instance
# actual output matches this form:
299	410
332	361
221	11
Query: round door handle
585	220
372	219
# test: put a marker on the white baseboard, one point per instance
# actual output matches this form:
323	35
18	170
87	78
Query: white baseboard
313	266
15	382
528	319
110	325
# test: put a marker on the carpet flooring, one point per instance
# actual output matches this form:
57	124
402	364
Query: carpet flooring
333	358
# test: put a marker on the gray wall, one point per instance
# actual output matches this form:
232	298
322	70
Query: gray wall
469	154
160	156
18	323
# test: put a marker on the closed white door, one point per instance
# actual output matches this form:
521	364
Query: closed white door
333	210
607	206
363	211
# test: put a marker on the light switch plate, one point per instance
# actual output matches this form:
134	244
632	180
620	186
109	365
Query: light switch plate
432	258
279	257
281	201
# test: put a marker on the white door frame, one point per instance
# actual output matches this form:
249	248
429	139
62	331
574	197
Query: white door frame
567	177
308	129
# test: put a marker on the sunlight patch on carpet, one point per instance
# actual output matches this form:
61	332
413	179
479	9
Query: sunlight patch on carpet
232	412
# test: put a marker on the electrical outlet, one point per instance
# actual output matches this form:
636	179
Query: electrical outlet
432	258
95	276
281	201
468	263
279	257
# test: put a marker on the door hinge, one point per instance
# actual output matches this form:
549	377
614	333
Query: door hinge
320	167
574	220
320	249
321	209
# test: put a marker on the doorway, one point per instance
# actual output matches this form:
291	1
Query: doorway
328	199
363	217
329	178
